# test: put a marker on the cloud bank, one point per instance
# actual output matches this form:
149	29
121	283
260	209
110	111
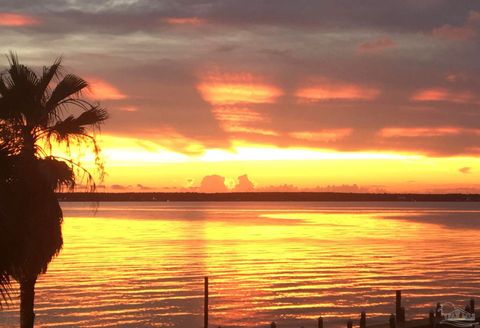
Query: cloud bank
341	75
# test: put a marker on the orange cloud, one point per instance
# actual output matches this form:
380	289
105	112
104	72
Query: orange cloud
102	90
376	46
251	130
213	184
185	21
10	19
418	132
323	135
240	119
453	78
443	94
172	139
130	109
244	184
465	32
454	33
229	89
237	115
332	90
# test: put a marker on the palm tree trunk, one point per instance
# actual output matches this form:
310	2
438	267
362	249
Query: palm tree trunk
27	296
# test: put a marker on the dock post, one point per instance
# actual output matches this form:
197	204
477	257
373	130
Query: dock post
431	319
398	305
320	322
363	320
205	305
349	323
438	313
472	305
391	321
273	325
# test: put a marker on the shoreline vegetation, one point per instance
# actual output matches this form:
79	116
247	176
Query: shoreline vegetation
262	197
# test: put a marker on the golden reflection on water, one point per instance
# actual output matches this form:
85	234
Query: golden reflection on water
138	265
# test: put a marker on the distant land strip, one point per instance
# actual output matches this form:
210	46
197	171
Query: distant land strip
263	197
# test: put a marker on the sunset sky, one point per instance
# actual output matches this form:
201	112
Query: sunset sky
372	95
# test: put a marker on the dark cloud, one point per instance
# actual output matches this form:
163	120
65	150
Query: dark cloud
290	45
118	187
377	45
124	16
143	187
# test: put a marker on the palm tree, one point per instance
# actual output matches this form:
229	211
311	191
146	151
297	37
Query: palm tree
39	112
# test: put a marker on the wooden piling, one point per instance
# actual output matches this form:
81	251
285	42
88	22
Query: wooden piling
320	322
205	305
431	319
349	323
438	313
402	314
398	305
392	321
434	317
363	320
398	299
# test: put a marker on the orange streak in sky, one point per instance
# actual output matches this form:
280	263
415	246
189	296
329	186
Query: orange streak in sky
322	135
251	130
337	91
234	93
376	46
229	89
233	119
185	21
100	89
237	115
442	94
130	109
9	19
419	132
454	32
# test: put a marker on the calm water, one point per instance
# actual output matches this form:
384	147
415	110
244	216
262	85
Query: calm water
142	264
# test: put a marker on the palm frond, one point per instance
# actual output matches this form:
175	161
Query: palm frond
83	175
70	85
76	126
21	75
5	288
49	73
3	86
19	96
21	79
66	128
92	117
57	173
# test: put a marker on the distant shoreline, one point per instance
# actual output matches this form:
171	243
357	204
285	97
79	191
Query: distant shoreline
263	197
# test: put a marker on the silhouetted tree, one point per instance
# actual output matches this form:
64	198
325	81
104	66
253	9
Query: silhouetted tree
38	113
4	249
